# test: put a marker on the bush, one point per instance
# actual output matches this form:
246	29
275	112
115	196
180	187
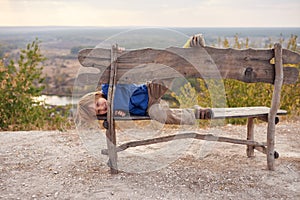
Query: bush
20	84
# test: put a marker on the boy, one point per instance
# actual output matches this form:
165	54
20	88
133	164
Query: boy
142	100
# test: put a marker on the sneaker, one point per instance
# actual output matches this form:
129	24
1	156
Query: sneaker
203	113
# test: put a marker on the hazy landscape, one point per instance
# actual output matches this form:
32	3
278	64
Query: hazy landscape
60	45
68	165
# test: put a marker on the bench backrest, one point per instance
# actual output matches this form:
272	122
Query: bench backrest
250	65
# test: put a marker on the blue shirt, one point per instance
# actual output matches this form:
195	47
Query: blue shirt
130	98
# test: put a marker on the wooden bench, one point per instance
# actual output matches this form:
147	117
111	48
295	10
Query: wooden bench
250	66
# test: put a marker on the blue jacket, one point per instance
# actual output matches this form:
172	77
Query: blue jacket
130	98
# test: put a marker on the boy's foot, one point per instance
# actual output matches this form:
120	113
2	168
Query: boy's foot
203	113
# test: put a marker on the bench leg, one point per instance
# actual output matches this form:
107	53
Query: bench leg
270	146
112	151
250	136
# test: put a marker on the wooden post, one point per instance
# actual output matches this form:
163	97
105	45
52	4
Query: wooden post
110	132
274	105
250	136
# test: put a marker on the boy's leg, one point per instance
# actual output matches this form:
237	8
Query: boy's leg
160	111
156	89
163	114
181	116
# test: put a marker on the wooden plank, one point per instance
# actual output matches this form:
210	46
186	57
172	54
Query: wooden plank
290	57
243	112
194	135
220	113
250	65
245	65
143	74
238	54
274	106
97	57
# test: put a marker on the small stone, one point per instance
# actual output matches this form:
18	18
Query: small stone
55	194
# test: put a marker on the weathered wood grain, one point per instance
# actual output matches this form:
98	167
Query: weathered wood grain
221	113
250	65
250	136
290	57
242	112
275	104
111	132
194	135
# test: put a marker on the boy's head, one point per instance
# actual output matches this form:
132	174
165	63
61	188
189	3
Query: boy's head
100	105
89	106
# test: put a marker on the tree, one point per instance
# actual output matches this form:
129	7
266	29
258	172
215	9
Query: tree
292	43
20	85
226	43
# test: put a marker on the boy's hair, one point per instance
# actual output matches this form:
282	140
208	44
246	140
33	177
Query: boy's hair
85	114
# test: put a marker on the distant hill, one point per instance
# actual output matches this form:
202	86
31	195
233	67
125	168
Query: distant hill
60	44
92	36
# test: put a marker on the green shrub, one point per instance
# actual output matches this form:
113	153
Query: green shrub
20	84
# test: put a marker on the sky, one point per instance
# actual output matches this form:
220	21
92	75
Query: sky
168	13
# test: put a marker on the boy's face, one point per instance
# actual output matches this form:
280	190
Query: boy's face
101	106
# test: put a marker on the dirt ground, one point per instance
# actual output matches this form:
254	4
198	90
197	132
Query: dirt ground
62	165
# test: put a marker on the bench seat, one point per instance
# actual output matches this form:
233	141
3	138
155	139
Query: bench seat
219	113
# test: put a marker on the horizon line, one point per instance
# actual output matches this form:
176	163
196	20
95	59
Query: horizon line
82	26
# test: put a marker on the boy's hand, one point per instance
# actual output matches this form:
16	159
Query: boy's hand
120	113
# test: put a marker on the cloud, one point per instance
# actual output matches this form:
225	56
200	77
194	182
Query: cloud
150	13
